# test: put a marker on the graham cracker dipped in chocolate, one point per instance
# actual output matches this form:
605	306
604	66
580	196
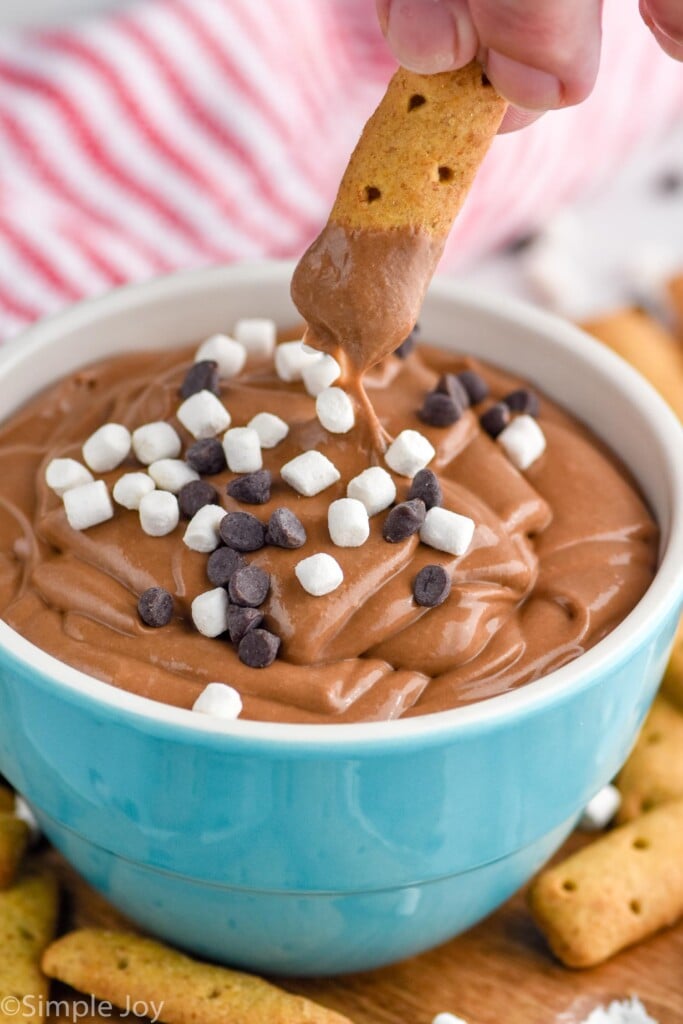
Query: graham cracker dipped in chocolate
361	284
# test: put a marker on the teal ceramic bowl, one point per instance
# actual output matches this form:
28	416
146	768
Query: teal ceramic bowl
323	849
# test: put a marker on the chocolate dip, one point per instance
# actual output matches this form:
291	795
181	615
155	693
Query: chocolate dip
560	554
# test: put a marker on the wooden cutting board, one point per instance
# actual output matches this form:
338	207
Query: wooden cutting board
500	972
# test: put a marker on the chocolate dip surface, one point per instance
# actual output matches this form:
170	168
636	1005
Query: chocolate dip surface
561	553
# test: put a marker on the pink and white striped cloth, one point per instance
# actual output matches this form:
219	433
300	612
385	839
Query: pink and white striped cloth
188	132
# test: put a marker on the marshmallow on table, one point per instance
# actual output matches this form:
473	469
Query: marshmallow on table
154	441
348	523
335	410
227	353
24	812
270	428
159	513
219	701
210	612
523	441
448	1018
61	475
242	450
599	811
320	373
447	531
257	335
172	474
202	533
107	447
409	453
374	487
310	473
88	505
319	574
131	488
291	359
203	415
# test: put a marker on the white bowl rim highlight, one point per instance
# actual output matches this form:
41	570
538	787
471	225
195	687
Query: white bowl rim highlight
662	598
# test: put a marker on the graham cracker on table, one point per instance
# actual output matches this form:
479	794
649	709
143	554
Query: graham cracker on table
618	890
653	773
28	917
121	967
14	837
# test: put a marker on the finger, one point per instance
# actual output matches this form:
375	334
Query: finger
664	18
541	53
515	118
428	36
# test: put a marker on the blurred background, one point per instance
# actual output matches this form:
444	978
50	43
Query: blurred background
146	136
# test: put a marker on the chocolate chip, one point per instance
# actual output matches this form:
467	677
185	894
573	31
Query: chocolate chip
252	489
523	400
427	488
258	648
206	456
202	376
431	586
407	346
249	586
155	607
439	410
285	530
222	563
242	531
449	384
474	384
404	520
194	496
241	620
495	419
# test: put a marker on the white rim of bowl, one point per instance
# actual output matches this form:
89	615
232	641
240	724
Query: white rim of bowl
661	598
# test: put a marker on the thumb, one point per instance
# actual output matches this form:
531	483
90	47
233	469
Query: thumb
428	36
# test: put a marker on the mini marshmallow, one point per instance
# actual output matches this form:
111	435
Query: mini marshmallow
242	450
202	530
172	474
159	513
310	473
227	353
335	410
24	812
107	447
523	441
599	811
448	1018
257	334
61	475
131	488
270	429
290	360
155	441
88	505
320	373
348	523
447	531
374	487
210	612
203	415
319	574
219	701
409	453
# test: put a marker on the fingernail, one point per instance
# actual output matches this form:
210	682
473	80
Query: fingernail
427	36
522	85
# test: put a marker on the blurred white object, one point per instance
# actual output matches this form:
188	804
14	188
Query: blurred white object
599	811
40	12
628	1011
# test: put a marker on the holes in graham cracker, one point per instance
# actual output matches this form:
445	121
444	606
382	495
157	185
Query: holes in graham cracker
635	907
122	963
415	101
445	174
641	843
653	737
372	193
213	994
569	885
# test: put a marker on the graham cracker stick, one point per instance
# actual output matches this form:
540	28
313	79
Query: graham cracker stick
673	677
653	773
118	967
14	837
28	915
646	345
620	889
6	799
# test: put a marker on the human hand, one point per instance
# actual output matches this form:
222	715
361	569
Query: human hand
539	54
